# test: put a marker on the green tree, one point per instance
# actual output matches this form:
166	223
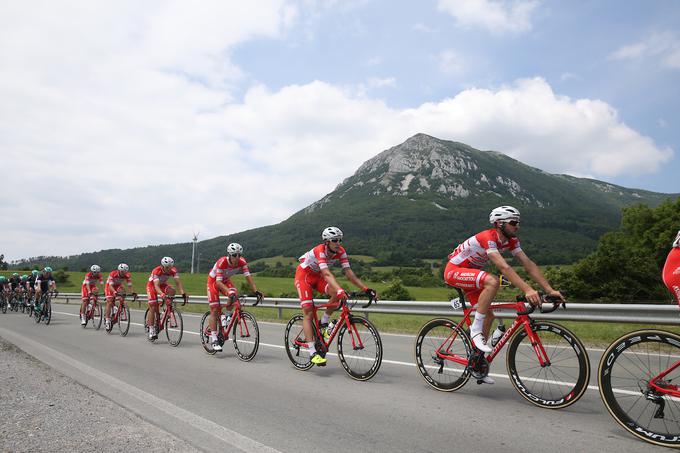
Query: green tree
396	291
627	263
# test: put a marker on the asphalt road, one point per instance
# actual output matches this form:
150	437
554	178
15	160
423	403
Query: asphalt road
219	402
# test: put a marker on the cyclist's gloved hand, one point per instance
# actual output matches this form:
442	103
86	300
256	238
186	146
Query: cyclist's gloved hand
373	294
342	295
259	296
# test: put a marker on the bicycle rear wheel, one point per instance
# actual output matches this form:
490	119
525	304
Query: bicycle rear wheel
441	337
360	348
557	385
174	327
296	345
4	303
624	378
124	320
204	333
246	336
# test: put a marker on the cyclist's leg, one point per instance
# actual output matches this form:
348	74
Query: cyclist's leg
83	307
153	309
213	319
303	284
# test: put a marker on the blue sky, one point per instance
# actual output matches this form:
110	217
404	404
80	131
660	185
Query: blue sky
234	115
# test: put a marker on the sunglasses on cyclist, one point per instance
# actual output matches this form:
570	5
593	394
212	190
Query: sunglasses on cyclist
234	255
513	222
336	240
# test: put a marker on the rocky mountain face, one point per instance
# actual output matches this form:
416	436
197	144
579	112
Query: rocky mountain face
421	198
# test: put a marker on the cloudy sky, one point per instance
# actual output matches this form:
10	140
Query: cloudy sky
128	123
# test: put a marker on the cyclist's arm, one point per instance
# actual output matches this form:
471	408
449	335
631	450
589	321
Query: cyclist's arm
535	272
510	273
180	287
129	286
224	289
157	286
251	282
352	277
333	284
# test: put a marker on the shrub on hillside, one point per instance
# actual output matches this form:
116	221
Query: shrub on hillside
396	291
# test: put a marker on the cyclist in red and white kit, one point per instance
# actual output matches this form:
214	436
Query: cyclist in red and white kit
114	285
671	270
89	287
219	282
313	273
464	271
157	286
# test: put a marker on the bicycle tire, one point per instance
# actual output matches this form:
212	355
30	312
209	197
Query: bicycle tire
364	348
246	337
124	320
440	374
47	312
4	305
561	383
97	316
174	328
626	365
294	334
203	332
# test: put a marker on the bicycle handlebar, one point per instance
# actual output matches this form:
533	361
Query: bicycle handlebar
360	294
242	299
555	300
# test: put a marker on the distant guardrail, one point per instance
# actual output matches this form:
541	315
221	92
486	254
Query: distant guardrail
624	313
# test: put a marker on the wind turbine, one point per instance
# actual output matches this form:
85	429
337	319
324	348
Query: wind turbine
193	250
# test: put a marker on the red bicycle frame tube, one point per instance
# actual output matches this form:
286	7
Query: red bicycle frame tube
668	389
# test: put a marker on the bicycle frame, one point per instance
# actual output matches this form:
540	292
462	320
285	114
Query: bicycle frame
522	320
167	312
667	388
343	319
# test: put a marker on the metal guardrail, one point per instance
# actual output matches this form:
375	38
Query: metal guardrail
623	313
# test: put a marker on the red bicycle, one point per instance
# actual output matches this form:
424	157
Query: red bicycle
546	363
121	314
242	326
93	312
359	345
170	320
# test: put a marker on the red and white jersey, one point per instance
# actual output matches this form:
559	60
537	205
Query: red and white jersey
474	253
223	269
316	259
92	278
117	277
160	275
676	243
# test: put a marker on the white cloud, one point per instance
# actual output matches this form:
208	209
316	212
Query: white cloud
385	82
497	16
663	46
118	132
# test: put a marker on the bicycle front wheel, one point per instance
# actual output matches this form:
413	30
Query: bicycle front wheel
555	385
360	348
645	404
124	320
97	316
296	344
246	336
442	352
3	303
174	327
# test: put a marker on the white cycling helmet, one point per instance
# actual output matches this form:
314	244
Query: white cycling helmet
167	261
95	269
503	214
122	267
234	249
331	233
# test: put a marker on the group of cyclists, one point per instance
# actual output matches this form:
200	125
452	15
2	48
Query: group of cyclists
464	270
27	290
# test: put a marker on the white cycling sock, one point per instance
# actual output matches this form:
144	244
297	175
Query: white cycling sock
312	348
477	324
